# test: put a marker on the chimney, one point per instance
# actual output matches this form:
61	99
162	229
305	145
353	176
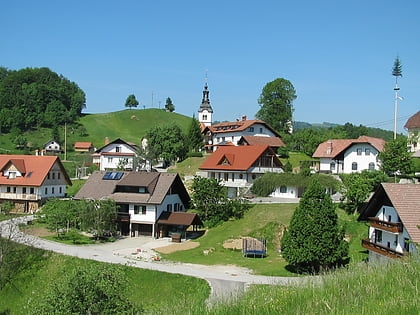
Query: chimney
329	147
243	117
106	140
36	152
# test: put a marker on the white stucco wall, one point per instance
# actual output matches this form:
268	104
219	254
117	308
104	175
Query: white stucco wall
234	136
362	160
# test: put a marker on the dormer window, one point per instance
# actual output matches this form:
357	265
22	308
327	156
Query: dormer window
12	175
142	190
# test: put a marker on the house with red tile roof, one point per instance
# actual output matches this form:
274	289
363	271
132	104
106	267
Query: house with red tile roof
81	146
29	180
114	155
413	129
349	155
149	203
393	214
238	166
272	142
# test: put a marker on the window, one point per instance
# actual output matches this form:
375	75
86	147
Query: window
14	190
406	244
169	208
8	189
58	175
233	177
117	149
226	176
378	236
142	190
46	190
204	117
138	208
52	190
332	166
283	189
261	130
12	175
354	166
223	139
31	190
143	209
60	190
359	151
109	159
251	129
48	176
241	176
53	175
23	190
367	151
371	166
396	240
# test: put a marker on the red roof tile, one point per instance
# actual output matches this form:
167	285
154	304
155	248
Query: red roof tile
333	147
35	169
235	126
239	158
256	140
413	122
83	145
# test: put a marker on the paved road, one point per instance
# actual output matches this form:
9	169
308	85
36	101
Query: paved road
225	281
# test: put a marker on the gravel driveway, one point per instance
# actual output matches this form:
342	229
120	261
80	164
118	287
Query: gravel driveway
225	281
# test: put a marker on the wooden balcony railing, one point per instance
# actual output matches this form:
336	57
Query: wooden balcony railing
380	249
393	227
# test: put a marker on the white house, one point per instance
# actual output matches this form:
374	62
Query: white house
238	166
349	155
52	146
29	180
413	129
117	154
148	202
393	214
230	133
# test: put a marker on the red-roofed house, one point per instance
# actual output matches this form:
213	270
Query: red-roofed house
413	129
349	155
115	155
238	166
29	180
81	146
272	142
224	133
393	214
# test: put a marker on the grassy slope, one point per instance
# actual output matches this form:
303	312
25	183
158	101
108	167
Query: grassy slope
259	216
129	124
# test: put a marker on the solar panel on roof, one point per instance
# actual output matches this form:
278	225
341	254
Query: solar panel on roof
113	175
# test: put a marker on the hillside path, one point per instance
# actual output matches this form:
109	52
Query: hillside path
225	281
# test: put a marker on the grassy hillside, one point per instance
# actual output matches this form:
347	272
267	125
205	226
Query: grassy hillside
130	125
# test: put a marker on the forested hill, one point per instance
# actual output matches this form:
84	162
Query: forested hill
31	98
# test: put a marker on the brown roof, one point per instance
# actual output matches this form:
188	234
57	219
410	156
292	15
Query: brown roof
413	122
34	168
405	198
333	147
179	218
83	145
234	126
256	140
237	158
118	141
158	185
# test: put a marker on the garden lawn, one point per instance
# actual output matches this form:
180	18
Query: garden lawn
260	216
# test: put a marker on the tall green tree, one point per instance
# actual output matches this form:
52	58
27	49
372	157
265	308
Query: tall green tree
314	240
209	198
166	143
276	104
395	158
131	101
194	136
169	106
90	289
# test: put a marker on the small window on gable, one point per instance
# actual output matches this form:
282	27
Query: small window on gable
367	151
359	151
53	175
117	149
12	175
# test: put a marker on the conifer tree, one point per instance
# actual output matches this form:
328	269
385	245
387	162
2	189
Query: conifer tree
314	240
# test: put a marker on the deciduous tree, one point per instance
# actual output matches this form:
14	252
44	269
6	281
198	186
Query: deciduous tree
276	101
169	106
395	158
131	101
314	240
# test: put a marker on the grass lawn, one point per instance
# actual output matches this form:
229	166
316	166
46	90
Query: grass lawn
259	217
188	167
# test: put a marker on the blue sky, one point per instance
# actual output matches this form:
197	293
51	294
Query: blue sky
337	54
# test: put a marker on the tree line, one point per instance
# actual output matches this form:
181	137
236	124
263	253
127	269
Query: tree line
37	97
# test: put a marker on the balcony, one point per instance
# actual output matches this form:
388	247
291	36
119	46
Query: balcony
380	249
123	217
393	227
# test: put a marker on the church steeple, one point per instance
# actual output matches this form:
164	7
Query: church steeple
206	111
